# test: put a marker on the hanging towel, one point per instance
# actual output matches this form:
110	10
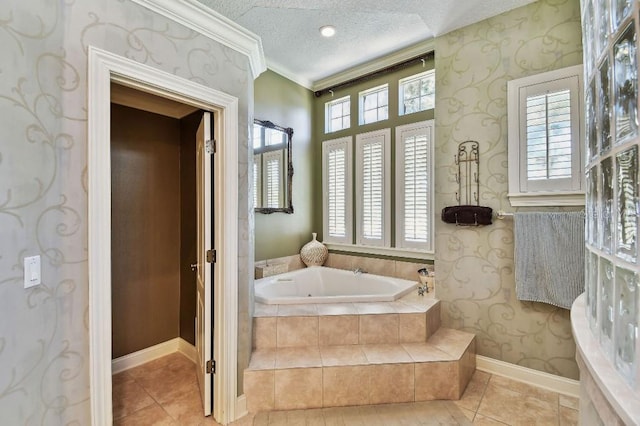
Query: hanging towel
549	257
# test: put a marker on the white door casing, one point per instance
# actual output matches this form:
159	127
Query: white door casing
105	67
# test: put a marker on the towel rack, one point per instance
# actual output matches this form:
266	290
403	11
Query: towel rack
501	214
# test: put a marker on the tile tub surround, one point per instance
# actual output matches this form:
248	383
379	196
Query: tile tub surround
355	354
603	392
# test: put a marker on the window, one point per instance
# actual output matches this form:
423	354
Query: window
374	104
273	186
545	128
417	93
373	189
337	114
414	186
257	180
336	191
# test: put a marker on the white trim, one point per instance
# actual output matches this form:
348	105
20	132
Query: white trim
202	19
385	251
529	376
105	67
241	406
547	199
289	75
145	355
413	51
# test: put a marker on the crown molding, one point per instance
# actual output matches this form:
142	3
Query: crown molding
376	64
288	74
211	24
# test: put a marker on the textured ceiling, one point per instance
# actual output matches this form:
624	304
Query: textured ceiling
365	30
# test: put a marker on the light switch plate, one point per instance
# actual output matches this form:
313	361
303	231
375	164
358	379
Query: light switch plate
32	275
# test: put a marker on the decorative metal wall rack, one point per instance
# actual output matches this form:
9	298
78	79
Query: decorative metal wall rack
468	212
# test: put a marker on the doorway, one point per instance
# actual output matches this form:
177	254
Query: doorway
105	68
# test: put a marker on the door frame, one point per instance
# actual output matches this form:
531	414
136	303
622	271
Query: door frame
103	68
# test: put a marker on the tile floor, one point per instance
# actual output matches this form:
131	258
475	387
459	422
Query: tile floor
165	392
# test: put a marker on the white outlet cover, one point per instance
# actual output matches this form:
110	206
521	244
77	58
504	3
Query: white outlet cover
32	275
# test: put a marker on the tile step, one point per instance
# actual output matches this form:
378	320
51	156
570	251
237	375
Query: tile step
333	376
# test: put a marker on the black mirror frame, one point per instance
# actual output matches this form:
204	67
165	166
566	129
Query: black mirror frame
289	132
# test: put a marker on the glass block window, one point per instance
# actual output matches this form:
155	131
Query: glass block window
374	104
337	114
417	92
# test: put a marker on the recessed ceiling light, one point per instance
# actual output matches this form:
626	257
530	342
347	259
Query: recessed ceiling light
328	31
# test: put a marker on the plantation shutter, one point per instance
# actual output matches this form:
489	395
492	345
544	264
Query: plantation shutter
257	180
337	190
414	186
272	179
373	208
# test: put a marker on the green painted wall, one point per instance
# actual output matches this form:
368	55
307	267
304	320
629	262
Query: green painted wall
475	266
287	104
393	121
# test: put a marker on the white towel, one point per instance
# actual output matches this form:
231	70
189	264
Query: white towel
549	257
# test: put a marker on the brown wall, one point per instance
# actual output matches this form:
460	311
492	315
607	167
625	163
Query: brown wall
145	161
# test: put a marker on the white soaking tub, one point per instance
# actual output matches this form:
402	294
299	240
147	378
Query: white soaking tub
319	284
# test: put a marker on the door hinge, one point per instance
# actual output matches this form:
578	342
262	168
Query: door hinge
210	146
211	256
211	367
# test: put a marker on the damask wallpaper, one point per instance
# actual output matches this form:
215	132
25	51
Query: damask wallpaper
474	266
44	346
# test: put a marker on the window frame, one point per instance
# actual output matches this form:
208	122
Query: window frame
363	139
327	114
422	127
550	192
361	104
402	81
346	143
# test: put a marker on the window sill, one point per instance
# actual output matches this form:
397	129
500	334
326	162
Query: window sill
547	199
384	251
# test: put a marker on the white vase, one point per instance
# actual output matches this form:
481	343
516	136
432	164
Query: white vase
314	253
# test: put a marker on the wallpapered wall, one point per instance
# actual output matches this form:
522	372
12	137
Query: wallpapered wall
474	266
44	346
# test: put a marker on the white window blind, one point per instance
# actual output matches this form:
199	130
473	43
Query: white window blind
545	128
336	185
273	191
548	124
337	115
373	215
414	177
257	180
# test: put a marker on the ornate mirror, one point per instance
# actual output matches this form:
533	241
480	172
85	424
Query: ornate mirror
272	167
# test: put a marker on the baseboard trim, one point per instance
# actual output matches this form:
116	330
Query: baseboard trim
241	406
145	355
529	376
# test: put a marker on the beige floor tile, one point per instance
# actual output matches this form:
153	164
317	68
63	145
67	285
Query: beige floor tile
426	352
379	328
297	332
153	415
472	396
391	383
259	390
568	416
453	342
342	355
523	388
298	388
487	421
569	401
298	357
174	362
436	380
297	310
129	397
338	330
468	413
412	328
262	359
120	378
509	406
169	385
260	419
386	354
264	332
344	386
326	309
187	409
